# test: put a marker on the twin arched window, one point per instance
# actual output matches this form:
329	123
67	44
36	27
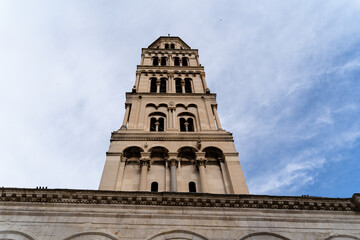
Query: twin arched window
179	83
156	124
158	85
186	124
163	61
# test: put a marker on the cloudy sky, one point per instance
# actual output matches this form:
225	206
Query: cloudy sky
286	74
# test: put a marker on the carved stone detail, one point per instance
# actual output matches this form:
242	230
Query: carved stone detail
179	199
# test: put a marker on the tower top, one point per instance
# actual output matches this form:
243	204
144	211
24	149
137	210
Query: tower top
165	42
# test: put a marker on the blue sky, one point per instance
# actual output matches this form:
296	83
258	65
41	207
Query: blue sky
286	74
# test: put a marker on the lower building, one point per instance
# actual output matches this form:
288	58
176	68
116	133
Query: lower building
55	214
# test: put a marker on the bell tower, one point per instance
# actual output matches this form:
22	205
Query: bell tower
171	138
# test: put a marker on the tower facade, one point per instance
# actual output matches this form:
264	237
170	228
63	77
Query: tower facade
171	137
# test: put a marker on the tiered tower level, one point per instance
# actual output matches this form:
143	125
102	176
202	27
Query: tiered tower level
171	137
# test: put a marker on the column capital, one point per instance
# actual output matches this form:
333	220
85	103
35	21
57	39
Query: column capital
201	162
173	162
144	162
214	105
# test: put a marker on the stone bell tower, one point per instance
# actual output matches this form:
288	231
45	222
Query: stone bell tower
171	137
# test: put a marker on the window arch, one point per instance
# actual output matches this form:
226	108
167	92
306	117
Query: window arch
172	46
157	122
163	61
155	61
154	187
163	85
192	187
178	85
188	88
187	122
153	86
185	61
176	61
166	46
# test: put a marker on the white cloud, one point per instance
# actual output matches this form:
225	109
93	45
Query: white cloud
66	66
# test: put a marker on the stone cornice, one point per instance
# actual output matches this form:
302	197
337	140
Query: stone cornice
71	196
173	68
122	135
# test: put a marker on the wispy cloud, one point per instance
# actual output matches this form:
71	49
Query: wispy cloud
286	74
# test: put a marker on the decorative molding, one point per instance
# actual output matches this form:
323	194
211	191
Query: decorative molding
171	136
69	196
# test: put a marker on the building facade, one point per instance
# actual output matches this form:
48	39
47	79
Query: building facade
172	172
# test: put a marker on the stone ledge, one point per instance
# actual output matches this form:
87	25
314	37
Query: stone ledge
179	199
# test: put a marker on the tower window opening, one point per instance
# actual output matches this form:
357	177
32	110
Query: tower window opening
154	187
182	125
155	61
163	85
178	85
161	125
157	124
166	46
185	61
192	187
176	61
187	124
190	124
172	46
163	61
153	85
153	124
188	85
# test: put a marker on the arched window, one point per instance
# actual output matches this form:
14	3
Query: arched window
178	85
182	125
155	61
188	85
192	187
166	46
172	46
154	187
163	61
163	85
185	61
190	124
187	123
152	124
176	61
153	85
161	125
157	122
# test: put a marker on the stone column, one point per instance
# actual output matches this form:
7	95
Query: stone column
171	82
224	175
183	85
142	59
197	59
137	80
144	165
126	117
171	62
201	164
202	77
157	85
174	117
214	108
173	163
